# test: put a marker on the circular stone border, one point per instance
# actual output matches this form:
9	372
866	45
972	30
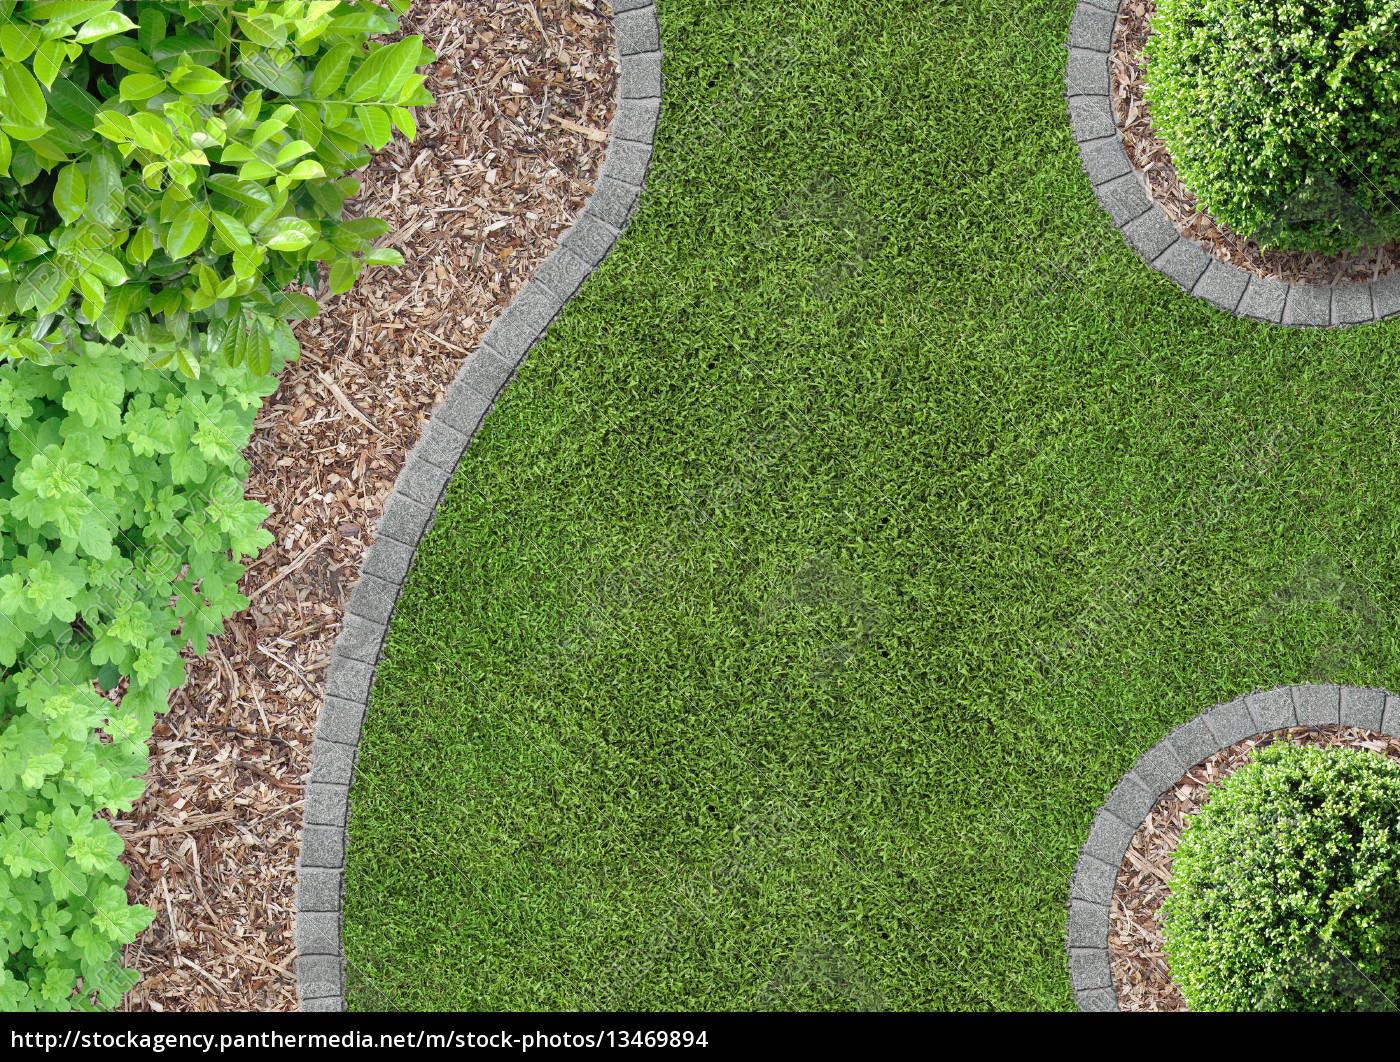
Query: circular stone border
412	505
1160	768
1151	233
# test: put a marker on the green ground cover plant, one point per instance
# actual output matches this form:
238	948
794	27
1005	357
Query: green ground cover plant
167	170
867	515
1286	886
1282	117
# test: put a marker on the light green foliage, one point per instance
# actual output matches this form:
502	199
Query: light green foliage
1286	886
124	532
167	169
1284	117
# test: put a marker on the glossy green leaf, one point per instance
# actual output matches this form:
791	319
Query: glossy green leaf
187	232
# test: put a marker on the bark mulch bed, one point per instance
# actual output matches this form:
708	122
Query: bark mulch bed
1141	976
502	164
1153	164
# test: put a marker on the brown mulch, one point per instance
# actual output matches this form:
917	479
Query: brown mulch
502	164
1141	975
1152	161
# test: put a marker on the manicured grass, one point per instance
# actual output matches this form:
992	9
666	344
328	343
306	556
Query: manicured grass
866	516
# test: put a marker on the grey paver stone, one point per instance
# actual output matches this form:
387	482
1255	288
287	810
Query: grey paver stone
1221	285
614	202
329	1004
441	445
1104	160
422	482
391	560
1087	73
1089	968
1090	117
1390	721
322	846
326	804
1091	28
1093	880
1230	722
319	976
463	410
1131	798
641	77
636	121
1159	768
404	519
1108	838
1097	1000
1088	925
563	273
524	320
1308	305
1364	708
1184	261
1194	742
1150	234
340	720
349	679
373	598
1351	304
590	239
1123	198
1318	704
1385	294
627	163
636	31
1263	299
318	889
332	761
485	372
318	933
1271	710
360	639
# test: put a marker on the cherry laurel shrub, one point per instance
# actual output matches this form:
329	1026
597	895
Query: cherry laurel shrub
1283	117
1285	890
167	171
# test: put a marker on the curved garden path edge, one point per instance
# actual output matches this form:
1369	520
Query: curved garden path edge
1160	768
410	509
1151	233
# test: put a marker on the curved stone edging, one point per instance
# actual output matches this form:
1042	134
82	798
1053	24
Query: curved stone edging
1160	768
1149	231
410	508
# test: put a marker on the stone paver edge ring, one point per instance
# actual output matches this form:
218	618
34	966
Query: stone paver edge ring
1160	768
412	505
1149	231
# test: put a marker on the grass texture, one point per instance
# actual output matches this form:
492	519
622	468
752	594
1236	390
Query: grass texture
867	515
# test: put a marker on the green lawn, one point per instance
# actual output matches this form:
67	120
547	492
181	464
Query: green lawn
867	515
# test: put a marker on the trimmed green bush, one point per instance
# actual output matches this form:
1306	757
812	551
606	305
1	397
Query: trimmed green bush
167	169
1283	117
1285	891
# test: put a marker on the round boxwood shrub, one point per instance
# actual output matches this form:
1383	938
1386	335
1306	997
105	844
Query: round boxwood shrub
1283	117
1285	891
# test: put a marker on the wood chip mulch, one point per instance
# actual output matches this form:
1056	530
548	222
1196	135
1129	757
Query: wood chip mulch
1141	974
1152	161
502	164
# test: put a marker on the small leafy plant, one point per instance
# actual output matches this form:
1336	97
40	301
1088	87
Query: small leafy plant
1283	118
167	170
1285	891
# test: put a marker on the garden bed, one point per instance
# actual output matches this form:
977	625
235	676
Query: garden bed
1141	974
500	166
1150	158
